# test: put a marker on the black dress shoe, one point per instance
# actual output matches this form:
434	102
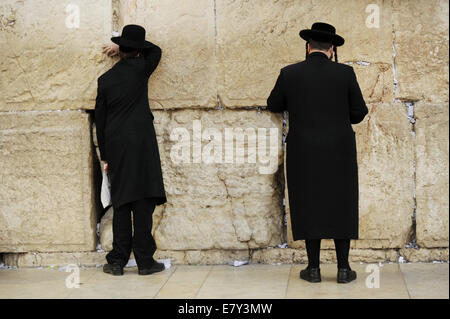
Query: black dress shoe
345	275
156	267
311	274
113	269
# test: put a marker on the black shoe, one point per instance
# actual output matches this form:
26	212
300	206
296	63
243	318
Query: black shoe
113	269
345	275
311	274
156	267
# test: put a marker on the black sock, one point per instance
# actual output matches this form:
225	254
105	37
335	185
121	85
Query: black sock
313	251
342	252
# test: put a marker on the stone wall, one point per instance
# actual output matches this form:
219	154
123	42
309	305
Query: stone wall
220	61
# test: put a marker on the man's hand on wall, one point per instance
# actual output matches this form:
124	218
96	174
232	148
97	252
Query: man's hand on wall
111	49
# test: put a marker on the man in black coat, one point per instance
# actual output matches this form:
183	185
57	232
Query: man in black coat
323	99
127	142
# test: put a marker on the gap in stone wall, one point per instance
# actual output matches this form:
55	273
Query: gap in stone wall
97	177
412	241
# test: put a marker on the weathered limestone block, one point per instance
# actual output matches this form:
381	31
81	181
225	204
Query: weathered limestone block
46	195
375	80
45	64
432	189
212	257
55	259
386	175
424	254
97	258
219	205
221	256
289	256
256	38
184	30
386	170
421	45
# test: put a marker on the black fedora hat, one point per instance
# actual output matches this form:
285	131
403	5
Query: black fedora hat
133	36
321	31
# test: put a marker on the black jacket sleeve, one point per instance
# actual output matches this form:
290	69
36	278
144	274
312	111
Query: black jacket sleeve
357	106
152	56
100	121
277	100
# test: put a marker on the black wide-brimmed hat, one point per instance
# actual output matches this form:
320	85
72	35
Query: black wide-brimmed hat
133	36
324	32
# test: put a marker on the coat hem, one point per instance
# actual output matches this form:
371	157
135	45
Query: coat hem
326	237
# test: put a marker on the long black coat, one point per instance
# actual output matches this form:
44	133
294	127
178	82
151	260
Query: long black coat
323	99
125	132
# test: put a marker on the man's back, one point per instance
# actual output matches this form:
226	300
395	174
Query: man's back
321	96
124	89
323	99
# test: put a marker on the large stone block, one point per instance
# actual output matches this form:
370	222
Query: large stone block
46	194
386	176
213	205
256	38
46	61
421	44
184	30
432	189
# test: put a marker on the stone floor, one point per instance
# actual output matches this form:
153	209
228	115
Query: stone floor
420	280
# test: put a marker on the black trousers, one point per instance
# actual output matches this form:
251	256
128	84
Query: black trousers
342	251
142	242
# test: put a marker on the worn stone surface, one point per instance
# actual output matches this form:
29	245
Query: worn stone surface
215	257
256	38
184	30
55	259
219	205
289	255
386	175
97	258
46	65
204	257
432	191
46	197
424	254
421	45
375	81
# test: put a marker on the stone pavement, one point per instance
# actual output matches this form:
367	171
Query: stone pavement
412	280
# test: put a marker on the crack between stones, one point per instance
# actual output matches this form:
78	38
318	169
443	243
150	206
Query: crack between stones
216	45
413	232
394	54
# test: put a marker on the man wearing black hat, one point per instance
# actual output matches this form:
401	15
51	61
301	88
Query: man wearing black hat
323	99
127	142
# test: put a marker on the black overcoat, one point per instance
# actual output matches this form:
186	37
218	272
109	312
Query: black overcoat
323	99
125	132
